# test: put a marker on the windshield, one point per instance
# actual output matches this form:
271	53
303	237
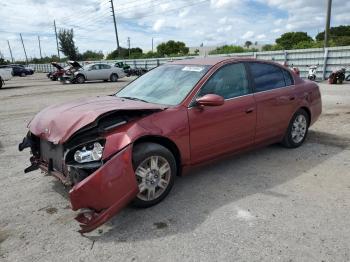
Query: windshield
167	84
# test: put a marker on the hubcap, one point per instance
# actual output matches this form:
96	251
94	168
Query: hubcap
153	177
299	129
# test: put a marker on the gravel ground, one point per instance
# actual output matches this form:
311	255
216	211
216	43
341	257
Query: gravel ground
272	204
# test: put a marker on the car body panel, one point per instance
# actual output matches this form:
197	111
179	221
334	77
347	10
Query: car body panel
59	122
99	72
218	124
195	134
6	73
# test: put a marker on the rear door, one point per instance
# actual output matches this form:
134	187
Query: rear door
105	72
275	98
230	127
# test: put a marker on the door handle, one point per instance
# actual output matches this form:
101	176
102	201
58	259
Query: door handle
249	110
291	98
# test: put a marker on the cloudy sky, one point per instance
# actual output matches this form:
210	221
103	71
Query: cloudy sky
212	22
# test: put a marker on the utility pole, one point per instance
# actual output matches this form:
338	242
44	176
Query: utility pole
41	57
58	50
328	23
25	53
115	26
129	45
152	44
8	42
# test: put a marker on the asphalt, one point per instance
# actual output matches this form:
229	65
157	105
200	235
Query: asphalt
271	204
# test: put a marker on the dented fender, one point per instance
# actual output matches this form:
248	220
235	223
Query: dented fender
106	191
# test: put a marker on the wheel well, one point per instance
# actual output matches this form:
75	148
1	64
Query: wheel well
167	143
80	74
113	74
307	110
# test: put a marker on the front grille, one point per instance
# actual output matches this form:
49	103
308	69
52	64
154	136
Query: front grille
52	155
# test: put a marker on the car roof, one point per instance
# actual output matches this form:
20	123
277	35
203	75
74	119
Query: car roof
215	60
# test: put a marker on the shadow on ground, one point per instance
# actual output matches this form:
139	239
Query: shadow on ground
196	196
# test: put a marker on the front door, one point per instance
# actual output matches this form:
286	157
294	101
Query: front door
230	127
93	73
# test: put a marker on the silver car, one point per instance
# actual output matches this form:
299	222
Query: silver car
98	71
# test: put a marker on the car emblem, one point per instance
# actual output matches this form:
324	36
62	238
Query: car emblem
47	130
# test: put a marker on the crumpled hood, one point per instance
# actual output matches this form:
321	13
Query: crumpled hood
59	122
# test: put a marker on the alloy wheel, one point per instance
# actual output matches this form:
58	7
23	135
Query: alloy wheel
299	128
153	177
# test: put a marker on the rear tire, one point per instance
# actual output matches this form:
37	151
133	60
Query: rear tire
155	169
297	129
1	83
114	78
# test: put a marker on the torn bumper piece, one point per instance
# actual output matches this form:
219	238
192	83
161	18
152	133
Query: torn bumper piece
105	192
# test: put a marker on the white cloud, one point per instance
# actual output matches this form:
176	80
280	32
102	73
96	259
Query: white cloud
261	36
248	34
158	25
213	22
223	3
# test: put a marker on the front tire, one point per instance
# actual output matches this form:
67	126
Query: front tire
80	79
155	169
297	129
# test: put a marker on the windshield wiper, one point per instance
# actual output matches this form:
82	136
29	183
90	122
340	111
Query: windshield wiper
133	98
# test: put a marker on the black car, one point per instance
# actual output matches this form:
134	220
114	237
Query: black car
20	70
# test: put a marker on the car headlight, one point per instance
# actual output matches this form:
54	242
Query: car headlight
89	153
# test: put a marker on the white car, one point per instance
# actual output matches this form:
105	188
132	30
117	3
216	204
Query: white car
99	71
5	75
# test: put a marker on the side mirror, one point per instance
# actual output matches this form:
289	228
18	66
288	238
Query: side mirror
210	100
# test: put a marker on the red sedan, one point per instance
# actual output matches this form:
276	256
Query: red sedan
128	147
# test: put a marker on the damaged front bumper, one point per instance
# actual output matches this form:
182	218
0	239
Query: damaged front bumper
105	192
100	195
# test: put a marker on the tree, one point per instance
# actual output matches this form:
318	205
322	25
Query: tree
123	53
228	49
67	45
92	55
335	32
2	59
288	40
172	48
248	44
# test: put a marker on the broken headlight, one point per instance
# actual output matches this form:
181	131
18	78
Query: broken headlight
89	153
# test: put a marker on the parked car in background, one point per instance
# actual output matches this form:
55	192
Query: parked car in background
68	75
99	71
5	74
21	70
59	72
128	147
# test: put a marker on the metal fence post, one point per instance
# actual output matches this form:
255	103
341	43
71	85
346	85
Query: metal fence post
285	57
324	69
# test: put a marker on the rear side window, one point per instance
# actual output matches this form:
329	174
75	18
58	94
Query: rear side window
105	66
287	78
266	76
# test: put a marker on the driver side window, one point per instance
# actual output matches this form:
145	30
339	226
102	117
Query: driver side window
229	81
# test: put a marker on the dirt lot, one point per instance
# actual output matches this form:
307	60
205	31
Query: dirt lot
272	204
